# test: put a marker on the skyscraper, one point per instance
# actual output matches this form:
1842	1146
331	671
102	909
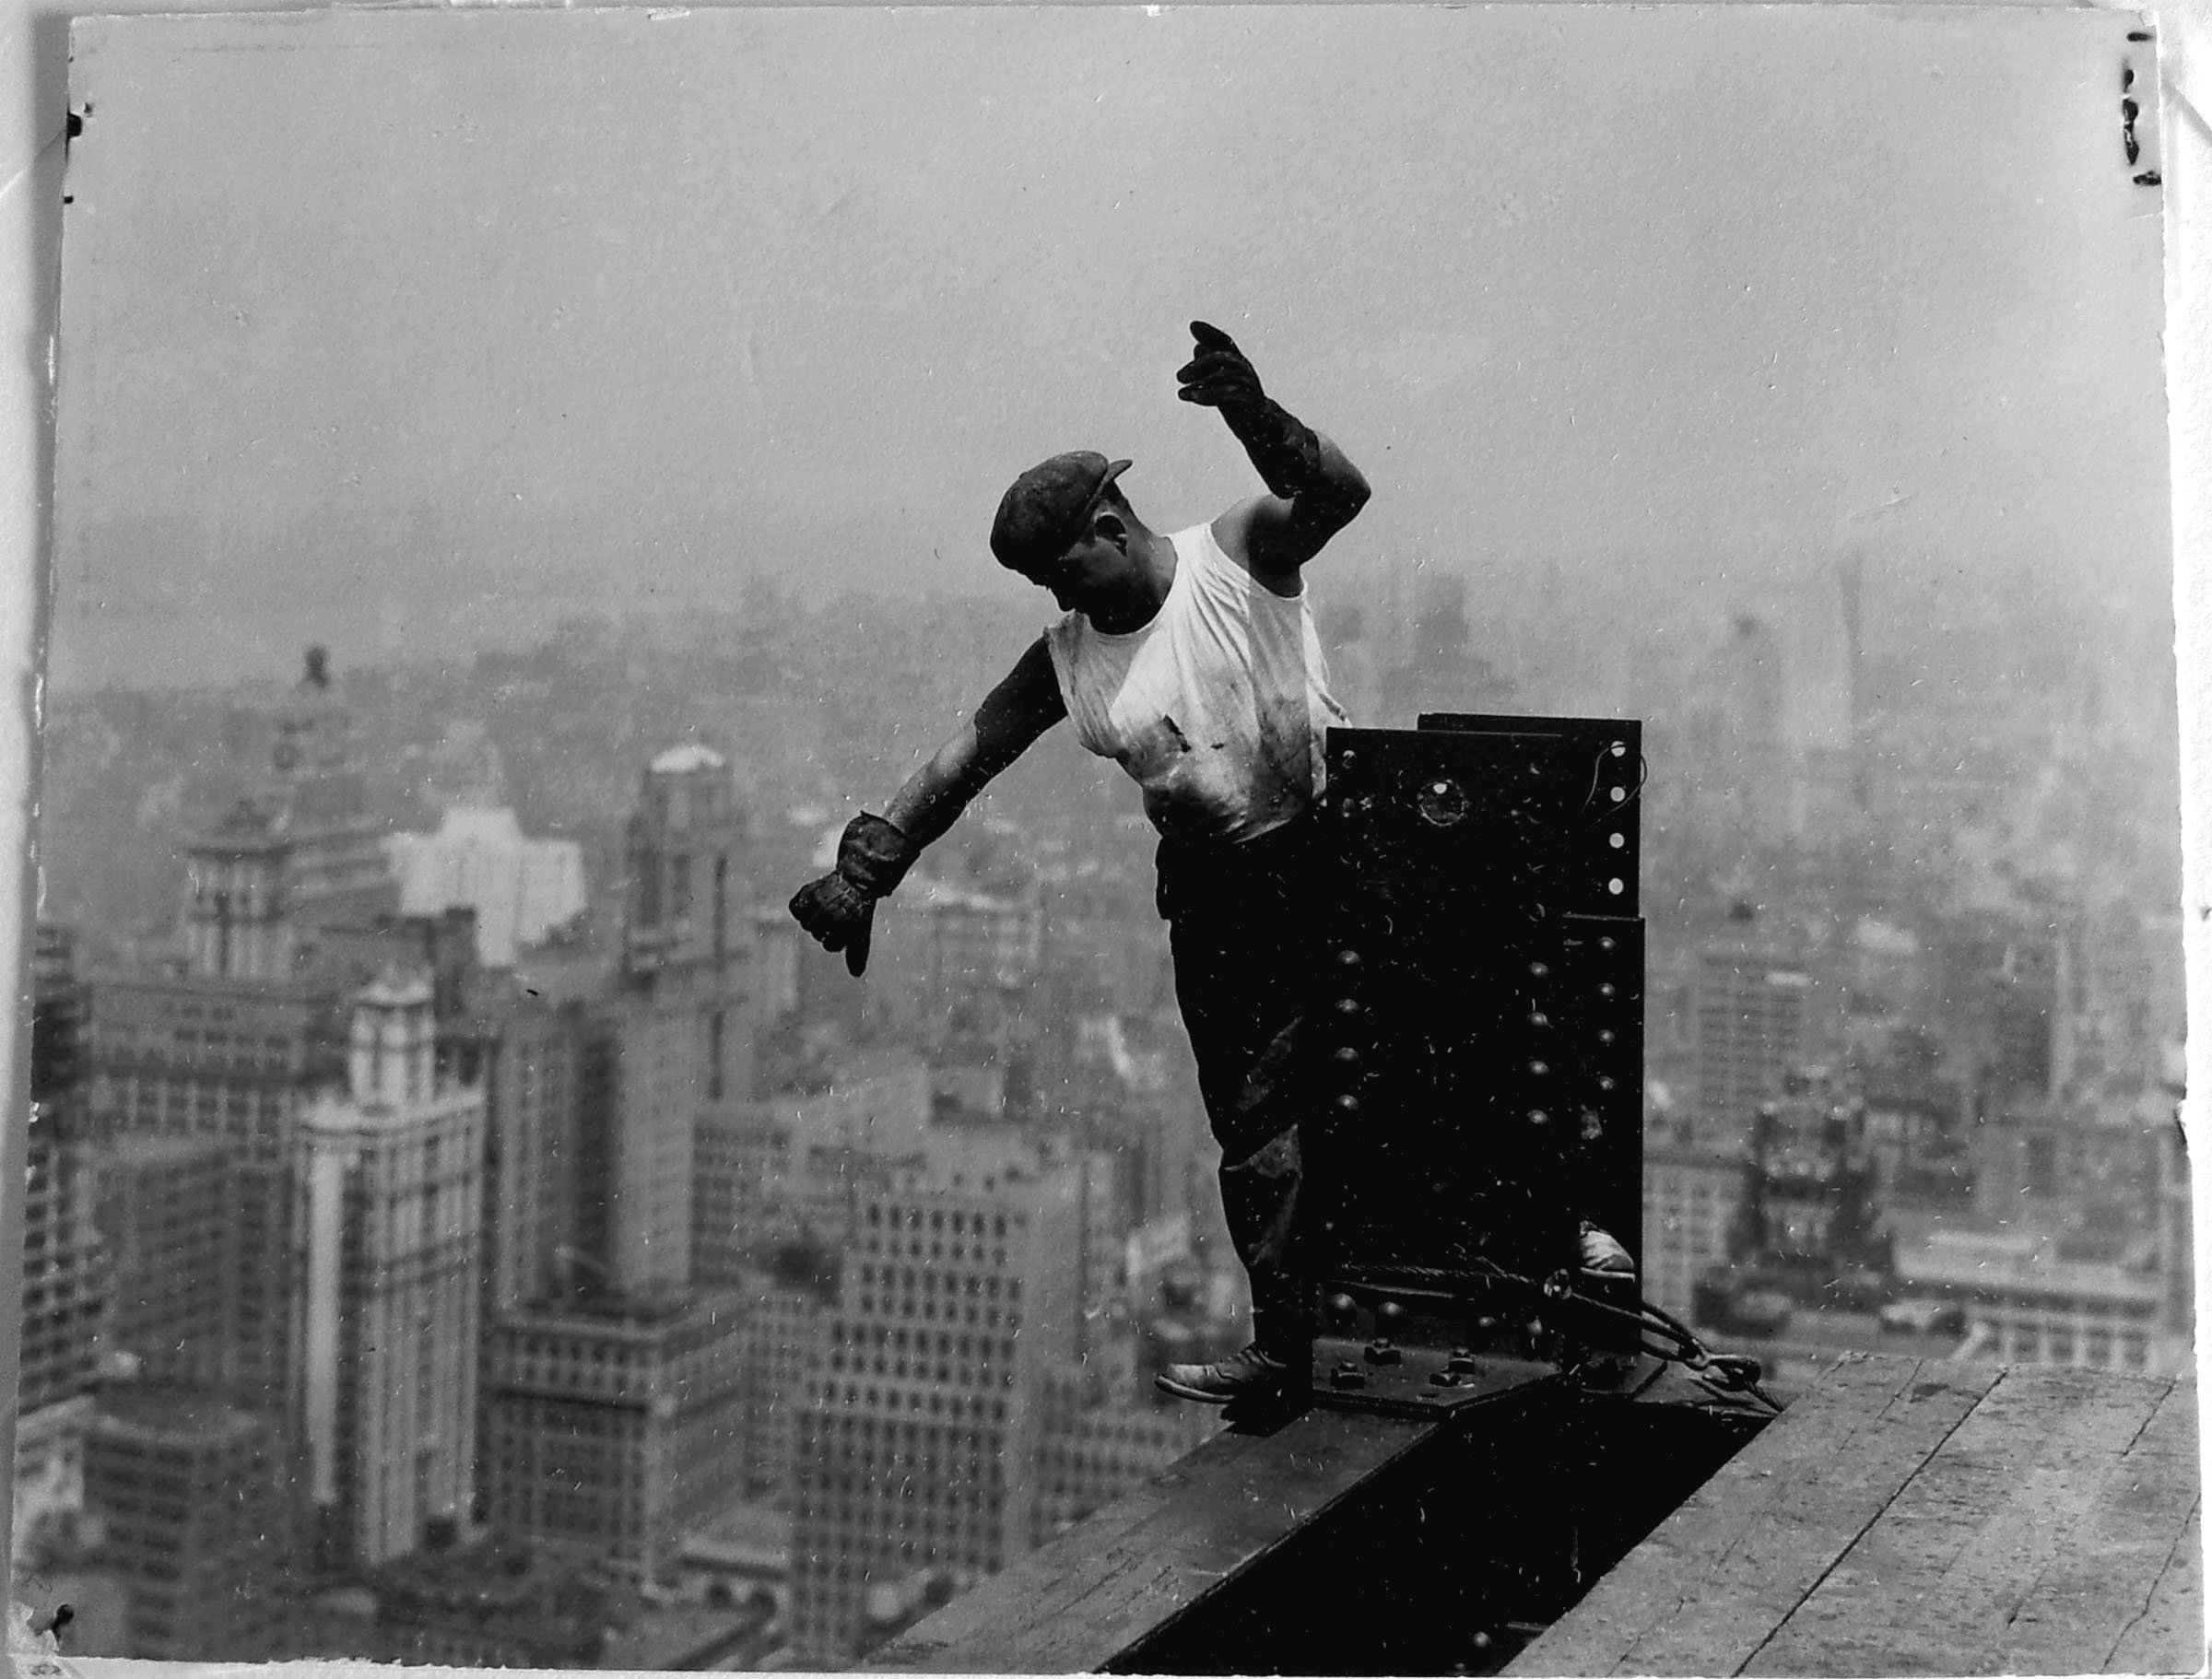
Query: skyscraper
1754	1021
391	1204
165	1214
921	1445
236	1059
616	1425
670	1041
336	874
1746	768
533	1091
65	1266
237	894
183	1486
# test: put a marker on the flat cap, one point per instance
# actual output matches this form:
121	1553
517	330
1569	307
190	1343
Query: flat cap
1043	509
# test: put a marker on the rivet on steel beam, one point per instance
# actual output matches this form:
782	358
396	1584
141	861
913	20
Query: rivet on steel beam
1347	1103
1539	1019
1347	1053
1536	1116
1381	1351
1537	1069
1348	956
1538	970
1391	1308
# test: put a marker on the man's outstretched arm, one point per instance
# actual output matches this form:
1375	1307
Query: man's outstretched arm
1023	706
874	852
1314	491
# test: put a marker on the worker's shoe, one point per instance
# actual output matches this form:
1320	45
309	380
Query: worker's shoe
1603	1260
1248	1375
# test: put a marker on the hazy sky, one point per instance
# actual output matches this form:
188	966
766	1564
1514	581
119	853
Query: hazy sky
391	327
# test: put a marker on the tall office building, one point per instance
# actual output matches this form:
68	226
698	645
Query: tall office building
165	1213
738	1149
1748	772
921	1447
685	851
650	1081
184	1486
614	1405
1755	1020
389	1228
788	1309
671	1042
337	872
533	1080
616	1426
238	883
64	1264
203	1057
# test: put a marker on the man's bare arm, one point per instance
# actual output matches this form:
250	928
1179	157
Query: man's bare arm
1023	706
1274	537
1314	491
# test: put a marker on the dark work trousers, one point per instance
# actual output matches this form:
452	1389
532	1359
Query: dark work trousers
1245	926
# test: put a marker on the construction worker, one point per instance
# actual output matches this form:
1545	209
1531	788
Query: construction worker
1191	659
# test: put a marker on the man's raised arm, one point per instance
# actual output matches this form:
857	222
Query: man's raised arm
1314	491
874	852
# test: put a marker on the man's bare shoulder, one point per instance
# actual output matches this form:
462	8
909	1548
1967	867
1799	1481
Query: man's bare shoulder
1242	535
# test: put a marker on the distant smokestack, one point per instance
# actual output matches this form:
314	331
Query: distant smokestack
318	668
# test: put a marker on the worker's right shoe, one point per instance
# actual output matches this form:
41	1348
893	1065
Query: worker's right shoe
1603	1260
1250	1374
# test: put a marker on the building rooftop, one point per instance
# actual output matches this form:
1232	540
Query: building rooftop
1913	1516
679	760
1899	1516
174	1411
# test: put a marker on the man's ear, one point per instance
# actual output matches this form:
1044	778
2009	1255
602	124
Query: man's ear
1107	525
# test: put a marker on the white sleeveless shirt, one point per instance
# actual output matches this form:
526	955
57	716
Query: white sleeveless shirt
1216	707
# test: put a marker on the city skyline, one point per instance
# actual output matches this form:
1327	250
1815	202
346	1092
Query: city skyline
625	1252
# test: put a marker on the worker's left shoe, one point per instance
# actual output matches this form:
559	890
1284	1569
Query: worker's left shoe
1249	1375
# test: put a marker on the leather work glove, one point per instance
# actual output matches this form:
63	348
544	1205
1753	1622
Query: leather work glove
839	909
1220	376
